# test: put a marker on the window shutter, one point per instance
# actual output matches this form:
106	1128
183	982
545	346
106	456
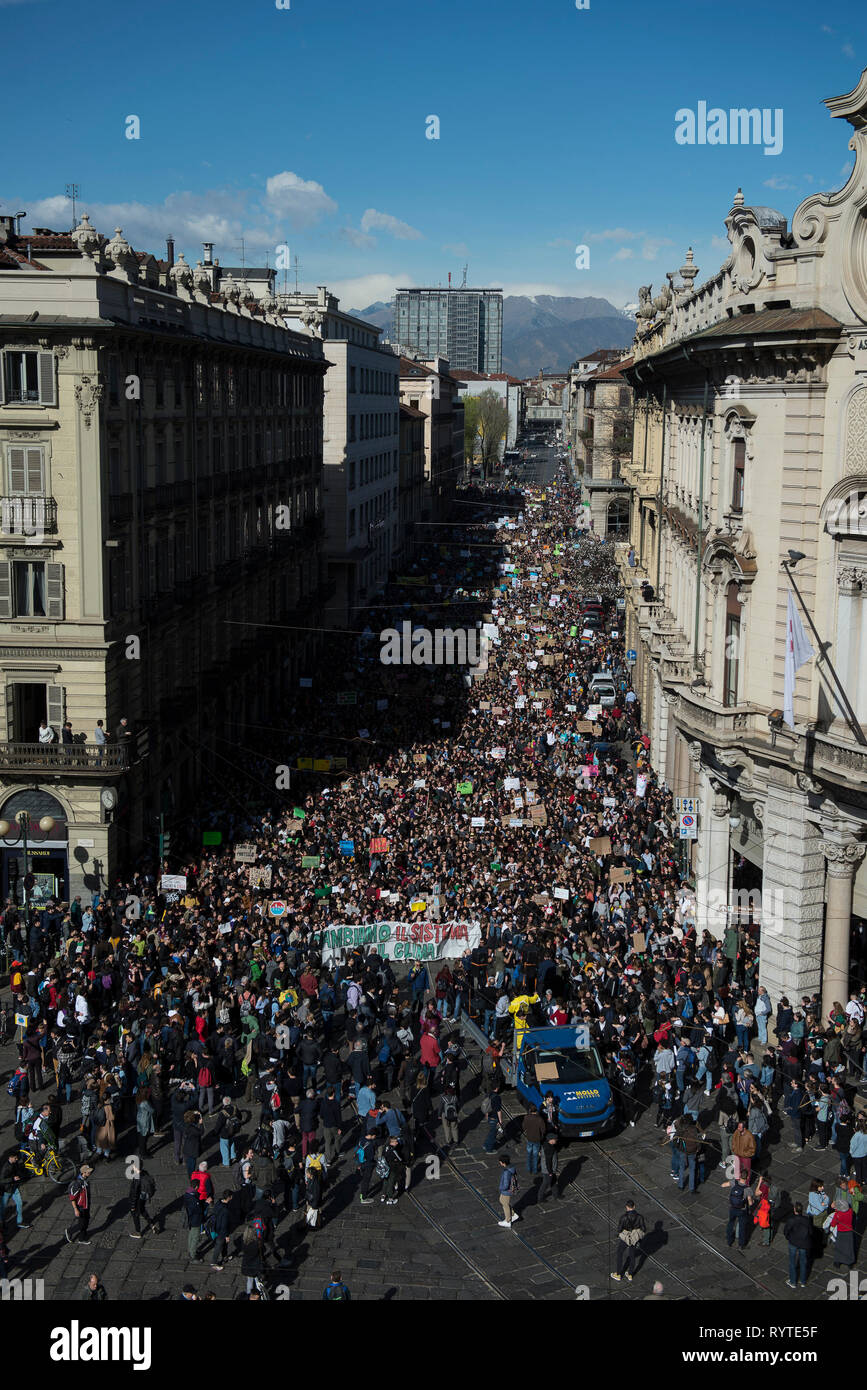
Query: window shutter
35	472
46	379
56	704
54	591
2	378
6	589
11	731
17	462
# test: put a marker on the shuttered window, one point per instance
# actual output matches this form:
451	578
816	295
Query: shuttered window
29	377
25	471
56	706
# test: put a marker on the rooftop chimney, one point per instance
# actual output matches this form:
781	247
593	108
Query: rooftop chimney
208	251
170	251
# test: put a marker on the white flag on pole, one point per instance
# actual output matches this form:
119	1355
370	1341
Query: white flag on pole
798	650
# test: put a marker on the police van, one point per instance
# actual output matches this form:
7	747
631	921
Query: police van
566	1062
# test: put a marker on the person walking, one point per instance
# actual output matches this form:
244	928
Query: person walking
550	1169
507	1190
841	1227
534	1133
11	1177
79	1196
336	1291
743	1145
495	1120
449	1113
330	1114
142	1189
740	1202
193	1214
222	1227
798	1231
630	1229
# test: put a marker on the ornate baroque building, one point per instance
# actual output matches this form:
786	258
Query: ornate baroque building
750	454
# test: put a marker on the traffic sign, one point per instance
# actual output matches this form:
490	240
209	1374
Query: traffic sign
277	908
689	804
688	827
631	655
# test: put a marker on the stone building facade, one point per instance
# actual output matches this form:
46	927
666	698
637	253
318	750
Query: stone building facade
748	483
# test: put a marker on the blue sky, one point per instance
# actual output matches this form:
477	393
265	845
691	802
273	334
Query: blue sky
307	126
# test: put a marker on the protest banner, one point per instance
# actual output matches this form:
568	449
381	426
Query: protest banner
245	853
379	845
311	861
620	876
259	878
601	845
401	940
173	883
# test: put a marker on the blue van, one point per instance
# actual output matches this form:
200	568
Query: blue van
552	1060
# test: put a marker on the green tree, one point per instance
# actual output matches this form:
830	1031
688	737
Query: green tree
471	427
493	421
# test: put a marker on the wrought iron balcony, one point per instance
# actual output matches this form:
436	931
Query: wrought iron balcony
77	759
28	516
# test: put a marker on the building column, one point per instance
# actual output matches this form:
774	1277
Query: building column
843	855
793	874
712	857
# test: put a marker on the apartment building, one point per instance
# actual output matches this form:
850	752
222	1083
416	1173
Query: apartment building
360	449
749	491
161	446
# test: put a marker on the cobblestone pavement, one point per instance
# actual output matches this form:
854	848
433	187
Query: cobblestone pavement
442	1240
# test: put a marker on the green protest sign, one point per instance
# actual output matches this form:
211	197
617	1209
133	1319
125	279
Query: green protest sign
311	861
465	788
495	866
212	837
322	892
299	814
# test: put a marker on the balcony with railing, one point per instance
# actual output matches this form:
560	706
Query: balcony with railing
28	516
74	759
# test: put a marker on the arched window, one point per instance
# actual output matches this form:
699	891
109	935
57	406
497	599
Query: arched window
618	519
731	661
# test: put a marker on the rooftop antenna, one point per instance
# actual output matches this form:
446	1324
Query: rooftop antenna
464	284
242	248
297	269
72	191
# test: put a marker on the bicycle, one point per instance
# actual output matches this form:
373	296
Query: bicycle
53	1165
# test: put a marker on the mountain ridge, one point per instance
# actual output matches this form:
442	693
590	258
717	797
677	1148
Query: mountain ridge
543	332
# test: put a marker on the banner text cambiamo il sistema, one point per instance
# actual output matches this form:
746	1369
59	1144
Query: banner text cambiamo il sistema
402	940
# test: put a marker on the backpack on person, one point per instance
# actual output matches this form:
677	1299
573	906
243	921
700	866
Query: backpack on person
513	1184
148	1186
260	1230
206	1078
450	1109
16	1083
335	1292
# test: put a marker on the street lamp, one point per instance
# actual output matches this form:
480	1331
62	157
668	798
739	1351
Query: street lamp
46	825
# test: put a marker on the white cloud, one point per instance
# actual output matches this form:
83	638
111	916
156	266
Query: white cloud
456	248
374	221
356	238
530	291
720	243
559	242
625	253
300	201
615	234
780	184
652	247
361	290
848	51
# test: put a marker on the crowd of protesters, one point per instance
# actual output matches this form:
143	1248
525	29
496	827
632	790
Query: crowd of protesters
501	798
